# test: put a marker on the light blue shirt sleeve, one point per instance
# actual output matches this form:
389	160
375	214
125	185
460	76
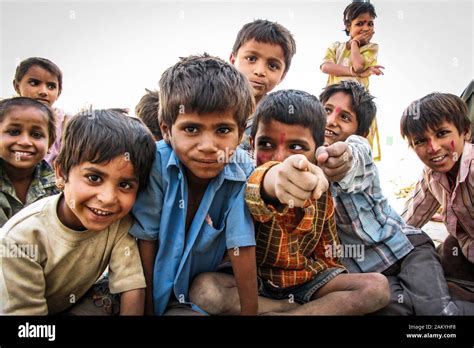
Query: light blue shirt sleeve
239	230
361	174
148	206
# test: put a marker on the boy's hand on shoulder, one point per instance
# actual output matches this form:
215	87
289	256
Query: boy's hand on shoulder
297	179
335	160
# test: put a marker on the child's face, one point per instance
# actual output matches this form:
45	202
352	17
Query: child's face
39	84
97	194
262	63
364	23
24	137
201	141
276	141
440	149
341	119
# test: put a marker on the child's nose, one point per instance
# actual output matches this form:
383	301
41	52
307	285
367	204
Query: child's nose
433	145
42	91
24	140
107	194
207	144
259	69
280	154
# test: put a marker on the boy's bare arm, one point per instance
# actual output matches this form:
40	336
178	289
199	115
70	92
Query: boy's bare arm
358	61
132	302
293	181
148	250
335	69
244	265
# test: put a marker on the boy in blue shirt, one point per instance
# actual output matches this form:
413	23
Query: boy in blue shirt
193	209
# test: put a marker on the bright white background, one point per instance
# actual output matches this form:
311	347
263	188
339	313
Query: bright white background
109	51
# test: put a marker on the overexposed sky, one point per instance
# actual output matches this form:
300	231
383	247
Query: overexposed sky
110	51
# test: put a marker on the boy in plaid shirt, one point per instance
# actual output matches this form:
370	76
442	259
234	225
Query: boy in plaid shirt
298	271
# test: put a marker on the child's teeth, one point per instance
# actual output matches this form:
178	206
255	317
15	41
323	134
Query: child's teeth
100	212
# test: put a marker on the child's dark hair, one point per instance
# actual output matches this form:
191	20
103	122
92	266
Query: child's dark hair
354	10
147	111
362	103
265	31
431	111
6	105
46	64
204	84
98	136
292	107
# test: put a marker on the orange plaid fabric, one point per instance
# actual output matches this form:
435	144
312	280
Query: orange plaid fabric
289	252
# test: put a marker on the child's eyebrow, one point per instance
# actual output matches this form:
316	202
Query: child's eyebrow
101	173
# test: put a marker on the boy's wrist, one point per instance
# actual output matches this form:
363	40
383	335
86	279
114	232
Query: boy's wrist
355	41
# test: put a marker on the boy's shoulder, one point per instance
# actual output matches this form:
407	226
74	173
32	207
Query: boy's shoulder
31	217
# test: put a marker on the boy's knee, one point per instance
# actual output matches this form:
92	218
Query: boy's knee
377	290
206	292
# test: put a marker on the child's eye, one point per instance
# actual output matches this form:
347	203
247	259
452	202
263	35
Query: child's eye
265	145
346	117
418	142
13	132
37	135
126	185
442	133
296	147
190	129
51	86
274	66
328	110
94	178
252	59
224	130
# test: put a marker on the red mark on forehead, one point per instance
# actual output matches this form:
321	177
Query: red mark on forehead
282	138
338	109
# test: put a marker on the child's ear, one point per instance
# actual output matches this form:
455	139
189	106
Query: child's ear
468	136
165	132
59	176
16	86
232	59
252	143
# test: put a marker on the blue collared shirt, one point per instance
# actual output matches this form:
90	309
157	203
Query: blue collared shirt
364	216
221	222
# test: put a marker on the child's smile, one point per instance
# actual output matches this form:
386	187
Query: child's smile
341	119
440	149
24	137
97	195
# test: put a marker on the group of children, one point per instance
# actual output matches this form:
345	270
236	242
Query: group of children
169	216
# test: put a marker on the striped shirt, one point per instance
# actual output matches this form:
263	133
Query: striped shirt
291	252
365	218
433	191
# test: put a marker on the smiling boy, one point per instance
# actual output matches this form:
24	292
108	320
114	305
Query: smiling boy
439	131
403	253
